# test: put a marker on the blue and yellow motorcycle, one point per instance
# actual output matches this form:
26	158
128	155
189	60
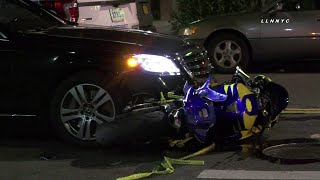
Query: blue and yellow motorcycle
229	112
220	113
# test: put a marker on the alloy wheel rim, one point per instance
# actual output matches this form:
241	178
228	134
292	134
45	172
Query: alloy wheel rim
83	108
227	54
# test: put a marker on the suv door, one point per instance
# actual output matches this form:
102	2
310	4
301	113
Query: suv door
7	53
23	54
291	30
311	13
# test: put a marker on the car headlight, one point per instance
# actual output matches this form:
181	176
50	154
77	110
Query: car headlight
188	31
154	63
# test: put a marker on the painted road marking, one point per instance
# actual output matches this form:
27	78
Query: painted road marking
242	174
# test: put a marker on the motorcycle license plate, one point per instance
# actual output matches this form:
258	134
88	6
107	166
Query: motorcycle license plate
117	15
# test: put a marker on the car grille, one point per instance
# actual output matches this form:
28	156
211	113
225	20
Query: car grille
198	63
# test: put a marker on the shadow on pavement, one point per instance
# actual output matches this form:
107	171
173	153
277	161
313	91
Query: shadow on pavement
28	140
30	148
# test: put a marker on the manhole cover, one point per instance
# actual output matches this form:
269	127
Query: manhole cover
294	151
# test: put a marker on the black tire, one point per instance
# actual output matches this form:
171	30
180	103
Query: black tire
243	59
94	78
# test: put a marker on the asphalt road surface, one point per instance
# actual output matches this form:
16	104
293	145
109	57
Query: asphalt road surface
28	152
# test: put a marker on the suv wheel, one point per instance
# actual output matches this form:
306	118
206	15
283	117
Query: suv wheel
227	51
81	104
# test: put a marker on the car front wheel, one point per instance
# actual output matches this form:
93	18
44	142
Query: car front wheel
227	51
81	104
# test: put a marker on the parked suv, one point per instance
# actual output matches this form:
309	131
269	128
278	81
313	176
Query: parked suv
115	13
283	30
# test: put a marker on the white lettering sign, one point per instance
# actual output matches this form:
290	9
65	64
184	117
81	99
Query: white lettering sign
275	21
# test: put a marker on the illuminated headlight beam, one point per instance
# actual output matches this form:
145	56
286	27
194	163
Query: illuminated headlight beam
157	64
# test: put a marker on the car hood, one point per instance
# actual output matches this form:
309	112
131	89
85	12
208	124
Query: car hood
121	35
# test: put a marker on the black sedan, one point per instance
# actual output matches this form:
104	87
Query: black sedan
79	77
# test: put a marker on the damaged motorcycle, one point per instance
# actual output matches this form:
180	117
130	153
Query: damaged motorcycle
221	113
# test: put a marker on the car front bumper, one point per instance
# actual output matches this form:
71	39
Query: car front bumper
143	82
199	42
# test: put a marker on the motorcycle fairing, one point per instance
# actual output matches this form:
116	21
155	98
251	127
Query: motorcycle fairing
240	110
210	94
205	92
199	108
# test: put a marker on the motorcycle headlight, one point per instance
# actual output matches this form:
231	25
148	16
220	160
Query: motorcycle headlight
154	63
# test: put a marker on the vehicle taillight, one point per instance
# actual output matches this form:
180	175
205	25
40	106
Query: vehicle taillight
71	9
65	8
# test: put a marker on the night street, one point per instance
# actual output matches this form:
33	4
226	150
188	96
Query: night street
21	158
25	155
159	89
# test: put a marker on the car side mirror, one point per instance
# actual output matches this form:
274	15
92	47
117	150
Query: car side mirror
212	70
273	12
298	6
278	7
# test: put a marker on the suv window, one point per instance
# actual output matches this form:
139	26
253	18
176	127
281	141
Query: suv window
21	16
316	4
301	5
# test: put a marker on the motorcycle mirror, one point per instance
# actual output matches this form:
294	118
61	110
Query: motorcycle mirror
239	70
186	87
211	70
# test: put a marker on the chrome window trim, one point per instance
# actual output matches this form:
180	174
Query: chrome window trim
17	115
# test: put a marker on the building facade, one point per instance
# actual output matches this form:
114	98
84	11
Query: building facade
163	9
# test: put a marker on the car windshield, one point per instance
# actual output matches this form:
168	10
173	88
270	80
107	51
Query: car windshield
26	15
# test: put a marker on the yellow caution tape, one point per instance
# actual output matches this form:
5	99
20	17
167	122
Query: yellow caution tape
201	152
179	143
162	98
171	95
167	164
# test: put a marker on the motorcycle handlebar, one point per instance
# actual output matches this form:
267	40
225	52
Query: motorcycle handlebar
242	75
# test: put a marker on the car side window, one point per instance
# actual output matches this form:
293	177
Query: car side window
309	5
18	17
290	5
316	4
300	5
